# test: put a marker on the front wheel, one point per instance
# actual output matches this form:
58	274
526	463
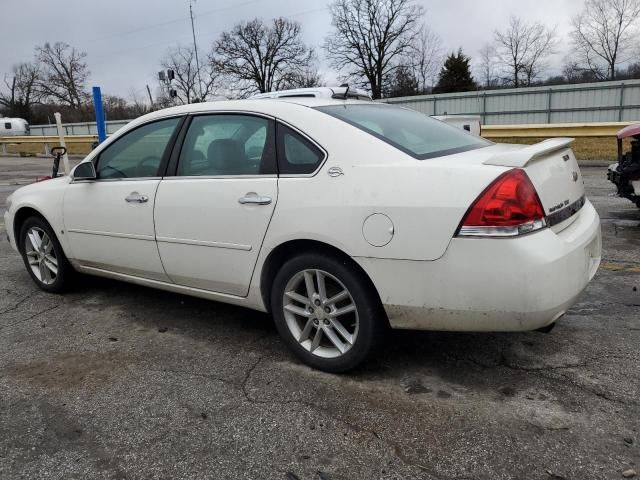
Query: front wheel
326	311
43	256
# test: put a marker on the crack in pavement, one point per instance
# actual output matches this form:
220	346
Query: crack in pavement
541	371
19	302
390	445
22	320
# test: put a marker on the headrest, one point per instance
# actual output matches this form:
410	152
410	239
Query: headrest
226	154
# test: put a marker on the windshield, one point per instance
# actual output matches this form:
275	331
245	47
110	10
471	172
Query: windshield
412	132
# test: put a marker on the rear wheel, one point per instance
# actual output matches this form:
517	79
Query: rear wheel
326	312
43	256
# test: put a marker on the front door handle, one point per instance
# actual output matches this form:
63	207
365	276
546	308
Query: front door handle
135	197
254	198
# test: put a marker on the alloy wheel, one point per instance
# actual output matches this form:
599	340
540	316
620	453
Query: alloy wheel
320	313
41	255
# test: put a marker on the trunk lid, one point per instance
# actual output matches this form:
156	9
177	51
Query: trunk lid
555	174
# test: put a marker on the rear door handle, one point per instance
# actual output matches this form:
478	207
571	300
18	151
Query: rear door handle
135	197
254	198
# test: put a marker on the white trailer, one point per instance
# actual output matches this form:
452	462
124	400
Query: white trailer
13	127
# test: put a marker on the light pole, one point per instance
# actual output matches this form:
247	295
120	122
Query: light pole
195	48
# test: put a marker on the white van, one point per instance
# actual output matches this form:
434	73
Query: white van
13	126
470	123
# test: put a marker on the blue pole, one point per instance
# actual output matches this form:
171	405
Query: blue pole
97	104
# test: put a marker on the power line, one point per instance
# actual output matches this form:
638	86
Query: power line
195	49
168	42
170	22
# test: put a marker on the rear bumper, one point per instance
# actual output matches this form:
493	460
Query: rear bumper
516	284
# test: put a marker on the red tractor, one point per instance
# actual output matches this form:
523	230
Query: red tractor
626	173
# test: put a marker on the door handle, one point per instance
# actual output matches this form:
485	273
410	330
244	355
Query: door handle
254	198
135	197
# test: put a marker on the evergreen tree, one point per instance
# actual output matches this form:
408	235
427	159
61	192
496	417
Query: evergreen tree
401	83
455	75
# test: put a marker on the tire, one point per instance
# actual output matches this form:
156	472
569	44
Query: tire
48	266
310	327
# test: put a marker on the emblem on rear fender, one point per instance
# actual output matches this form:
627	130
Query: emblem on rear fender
335	172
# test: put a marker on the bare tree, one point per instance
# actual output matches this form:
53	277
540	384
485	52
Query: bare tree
307	78
605	35
64	74
522	50
256	57
488	66
371	37
21	92
190	85
426	59
138	103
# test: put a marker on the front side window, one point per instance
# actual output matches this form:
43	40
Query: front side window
296	154
139	153
412	132
227	144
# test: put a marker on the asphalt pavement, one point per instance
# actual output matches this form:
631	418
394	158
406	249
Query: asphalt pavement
118	381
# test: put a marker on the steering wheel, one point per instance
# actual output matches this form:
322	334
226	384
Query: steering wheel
144	170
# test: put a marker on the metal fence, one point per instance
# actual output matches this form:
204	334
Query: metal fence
585	103
85	128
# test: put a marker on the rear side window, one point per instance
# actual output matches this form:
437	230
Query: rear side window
412	132
296	154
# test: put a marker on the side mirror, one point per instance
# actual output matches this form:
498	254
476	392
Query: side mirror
84	171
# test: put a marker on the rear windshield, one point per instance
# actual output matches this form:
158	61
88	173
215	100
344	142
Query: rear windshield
412	132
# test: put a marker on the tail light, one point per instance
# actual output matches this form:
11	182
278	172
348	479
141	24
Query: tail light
510	206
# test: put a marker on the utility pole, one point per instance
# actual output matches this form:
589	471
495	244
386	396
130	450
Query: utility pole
195	48
150	97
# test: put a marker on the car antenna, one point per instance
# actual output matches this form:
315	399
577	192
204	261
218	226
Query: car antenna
346	91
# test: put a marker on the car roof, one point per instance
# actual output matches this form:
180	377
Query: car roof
267	106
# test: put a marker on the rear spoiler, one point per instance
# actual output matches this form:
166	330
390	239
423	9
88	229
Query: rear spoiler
520	158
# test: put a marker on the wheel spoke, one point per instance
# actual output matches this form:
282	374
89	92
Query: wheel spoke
341	330
297	310
298	298
308	281
32	258
52	267
331	335
34	239
51	259
306	331
316	340
338	297
322	289
47	245
45	276
344	310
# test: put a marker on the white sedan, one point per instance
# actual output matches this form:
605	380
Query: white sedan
340	217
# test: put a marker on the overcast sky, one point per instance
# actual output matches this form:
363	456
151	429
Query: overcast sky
125	39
